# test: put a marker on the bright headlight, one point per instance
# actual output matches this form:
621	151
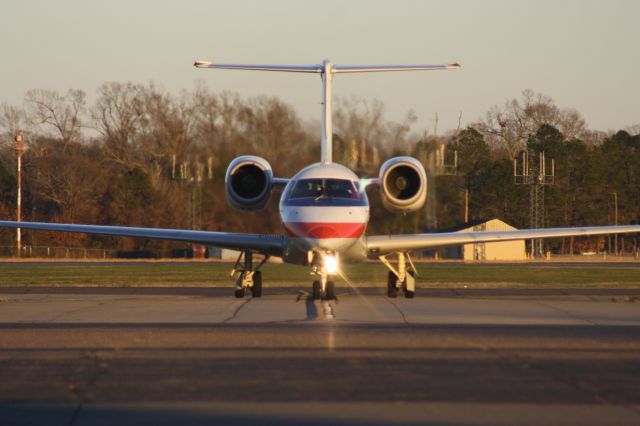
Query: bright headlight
330	264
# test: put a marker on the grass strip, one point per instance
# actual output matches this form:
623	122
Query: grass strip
217	274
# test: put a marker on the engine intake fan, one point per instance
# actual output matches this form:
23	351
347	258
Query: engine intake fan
248	183
403	182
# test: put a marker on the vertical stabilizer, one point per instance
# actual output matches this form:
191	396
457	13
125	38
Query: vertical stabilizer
326	145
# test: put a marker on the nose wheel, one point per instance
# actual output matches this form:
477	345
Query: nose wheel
329	291
316	291
325	287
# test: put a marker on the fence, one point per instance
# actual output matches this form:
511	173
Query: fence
43	252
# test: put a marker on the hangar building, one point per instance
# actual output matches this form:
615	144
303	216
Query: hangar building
507	250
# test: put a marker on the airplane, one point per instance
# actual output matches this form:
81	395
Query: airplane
324	208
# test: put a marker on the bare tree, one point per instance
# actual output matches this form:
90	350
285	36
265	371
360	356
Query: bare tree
12	120
358	119
166	132
217	130
118	114
271	128
61	114
633	130
67	182
509	127
364	135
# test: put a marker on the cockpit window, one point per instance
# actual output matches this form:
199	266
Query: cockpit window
318	188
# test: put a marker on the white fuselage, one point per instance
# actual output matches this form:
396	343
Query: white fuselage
324	209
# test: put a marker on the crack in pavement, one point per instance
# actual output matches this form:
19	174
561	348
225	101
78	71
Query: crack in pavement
80	387
404	318
237	311
73	311
564	311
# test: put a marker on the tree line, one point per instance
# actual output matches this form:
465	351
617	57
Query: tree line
140	156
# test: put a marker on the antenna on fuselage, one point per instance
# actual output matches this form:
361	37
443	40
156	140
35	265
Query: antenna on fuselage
327	70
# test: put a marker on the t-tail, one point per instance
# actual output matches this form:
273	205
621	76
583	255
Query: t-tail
327	70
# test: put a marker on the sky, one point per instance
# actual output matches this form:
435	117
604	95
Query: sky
583	54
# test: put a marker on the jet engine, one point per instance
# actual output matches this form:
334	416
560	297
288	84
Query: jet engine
403	182
248	183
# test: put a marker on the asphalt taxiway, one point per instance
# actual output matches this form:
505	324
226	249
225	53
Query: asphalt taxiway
198	356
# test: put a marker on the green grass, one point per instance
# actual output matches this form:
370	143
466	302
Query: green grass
217	274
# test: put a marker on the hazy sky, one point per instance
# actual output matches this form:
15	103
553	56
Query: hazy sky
584	54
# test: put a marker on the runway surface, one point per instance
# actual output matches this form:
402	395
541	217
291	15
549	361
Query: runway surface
198	356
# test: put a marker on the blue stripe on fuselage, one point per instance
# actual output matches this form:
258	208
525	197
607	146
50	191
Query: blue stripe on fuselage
326	201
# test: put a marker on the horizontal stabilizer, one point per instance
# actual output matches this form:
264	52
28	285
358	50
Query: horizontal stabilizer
319	68
257	67
384	68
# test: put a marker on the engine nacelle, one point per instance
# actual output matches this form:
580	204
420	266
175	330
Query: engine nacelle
248	183
403	182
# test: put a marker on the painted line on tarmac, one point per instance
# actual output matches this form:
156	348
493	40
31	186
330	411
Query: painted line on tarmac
315	307
327	310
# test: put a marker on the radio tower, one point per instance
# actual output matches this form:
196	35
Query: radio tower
536	178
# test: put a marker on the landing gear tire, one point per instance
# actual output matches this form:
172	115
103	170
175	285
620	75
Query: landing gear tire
330	290
256	290
317	290
392	290
409	294
239	291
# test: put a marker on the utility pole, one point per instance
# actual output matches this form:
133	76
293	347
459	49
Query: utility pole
466	205
615	203
435	125
536	180
20	148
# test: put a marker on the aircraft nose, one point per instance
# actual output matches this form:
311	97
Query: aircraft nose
323	231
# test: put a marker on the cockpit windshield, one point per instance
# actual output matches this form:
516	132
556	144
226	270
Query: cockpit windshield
319	188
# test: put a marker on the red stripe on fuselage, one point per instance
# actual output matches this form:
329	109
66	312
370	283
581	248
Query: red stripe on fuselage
322	230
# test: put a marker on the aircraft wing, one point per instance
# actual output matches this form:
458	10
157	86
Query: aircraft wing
384	244
265	244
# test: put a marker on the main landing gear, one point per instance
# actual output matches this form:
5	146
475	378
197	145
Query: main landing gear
247	277
400	277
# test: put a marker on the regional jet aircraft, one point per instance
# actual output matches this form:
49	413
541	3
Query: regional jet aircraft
324	208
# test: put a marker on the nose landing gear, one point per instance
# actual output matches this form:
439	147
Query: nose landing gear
400	277
329	289
246	277
325	285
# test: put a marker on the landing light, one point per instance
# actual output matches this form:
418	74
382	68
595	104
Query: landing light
330	264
